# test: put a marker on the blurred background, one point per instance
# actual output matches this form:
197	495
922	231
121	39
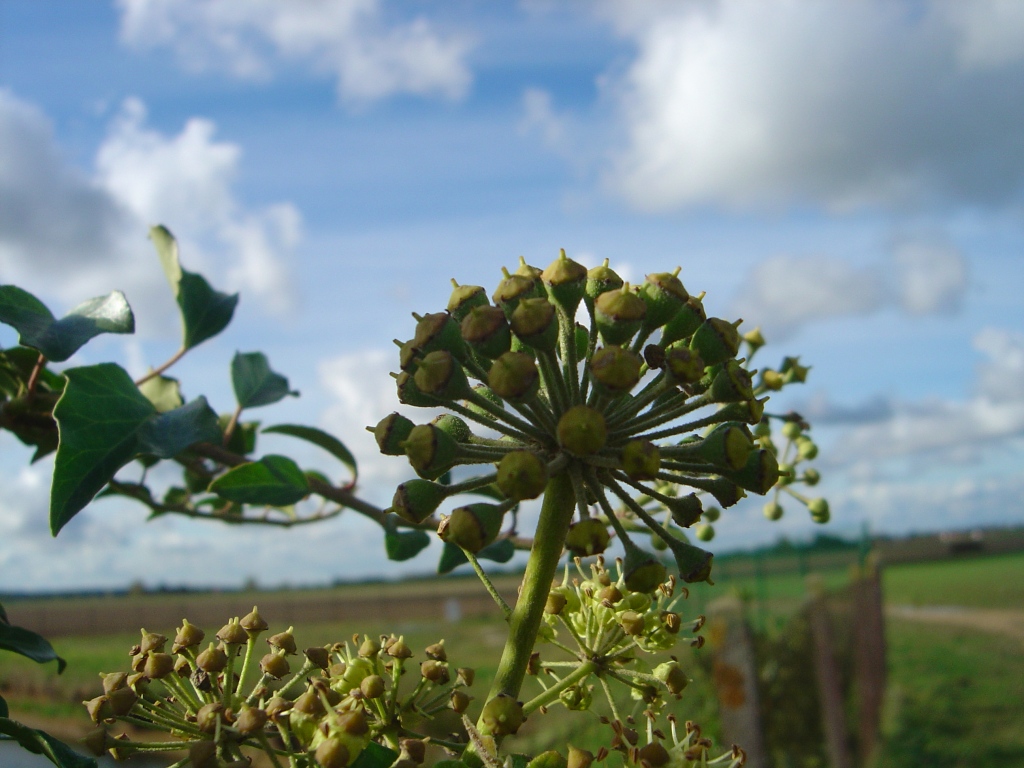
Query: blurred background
847	176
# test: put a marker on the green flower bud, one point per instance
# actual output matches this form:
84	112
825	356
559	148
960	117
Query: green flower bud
806	448
369	648
760	474
535	324
812	477
96	741
705	532
251	720
579	758
459	701
413	749
391	432
372	686
284	641
464	299
641	459
99	709
309	704
435	671
549	759
430	451
745	411
728	445
457	429
521	475
755	339
474	526
399	649
654	754
731	384
819	510
487	332
158	665
693	562
123	699
600	280
277	706
565	281
664	296
582	430
502	715
686	510
408	355
632	623
409	392
773	510
528	270
488	394
513	289
114	680
440	375
253	623
716	341
772	380
416	500
465	676
711	514
232	633
209	716
332	753
182	667
587	537
554	604
618	315
436	651
643	571
151	641
684	365
684	322
793	371
615	369
212	660
514	377
275	665
726	491
439	331
203	754
791	430
318	656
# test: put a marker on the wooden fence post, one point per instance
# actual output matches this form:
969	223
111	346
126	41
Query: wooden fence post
830	691
735	676
869	638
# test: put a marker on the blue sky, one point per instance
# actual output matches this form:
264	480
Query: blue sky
847	176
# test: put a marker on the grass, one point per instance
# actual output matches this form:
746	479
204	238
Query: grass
996	581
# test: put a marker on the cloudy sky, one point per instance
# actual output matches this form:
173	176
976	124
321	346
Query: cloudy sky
848	176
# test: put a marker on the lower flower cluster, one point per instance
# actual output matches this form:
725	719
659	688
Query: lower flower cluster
221	703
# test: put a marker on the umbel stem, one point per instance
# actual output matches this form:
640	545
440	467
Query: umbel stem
555	516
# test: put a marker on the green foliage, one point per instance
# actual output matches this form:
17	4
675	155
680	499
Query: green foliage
254	383
58	340
41	743
276	481
319	438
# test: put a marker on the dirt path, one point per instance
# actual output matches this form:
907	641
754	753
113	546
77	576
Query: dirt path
1001	622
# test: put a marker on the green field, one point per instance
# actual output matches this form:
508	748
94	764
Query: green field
954	694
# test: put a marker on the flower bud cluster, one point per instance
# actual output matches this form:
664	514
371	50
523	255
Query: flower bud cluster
220	700
686	749
648	400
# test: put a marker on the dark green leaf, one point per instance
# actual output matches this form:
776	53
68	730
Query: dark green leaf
41	743
4	712
168	434
375	756
104	422
30	419
402	545
99	416
273	480
3	616
451	558
449	764
29	644
163	392
501	551
60	339
518	760
204	311
318	437
254	383
243	437
20	361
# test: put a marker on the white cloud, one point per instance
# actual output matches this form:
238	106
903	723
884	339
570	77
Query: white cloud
784	292
789	102
943	430
353	40
539	117
74	235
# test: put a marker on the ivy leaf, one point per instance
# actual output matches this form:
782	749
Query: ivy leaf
28	644
375	755
273	480
254	383
56	339
403	545
163	392
451	558
104	422
168	434
204	311
500	551
322	439
41	743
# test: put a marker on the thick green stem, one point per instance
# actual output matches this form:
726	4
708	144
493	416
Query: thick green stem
555	516
582	672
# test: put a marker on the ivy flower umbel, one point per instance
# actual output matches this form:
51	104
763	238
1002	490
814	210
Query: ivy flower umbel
625	424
